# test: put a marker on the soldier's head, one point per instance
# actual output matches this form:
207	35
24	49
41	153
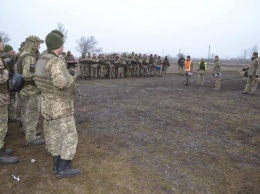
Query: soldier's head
54	43
83	54
68	53
188	57
216	58
255	55
34	42
1	44
8	49
202	59
58	32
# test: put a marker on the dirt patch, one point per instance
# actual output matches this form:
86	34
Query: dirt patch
152	135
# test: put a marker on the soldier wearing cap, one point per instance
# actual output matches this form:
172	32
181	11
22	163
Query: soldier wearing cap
57	85
30	94
5	153
253	74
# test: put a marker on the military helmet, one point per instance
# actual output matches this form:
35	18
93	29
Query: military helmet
16	83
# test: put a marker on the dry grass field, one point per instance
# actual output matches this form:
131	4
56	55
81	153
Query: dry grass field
151	136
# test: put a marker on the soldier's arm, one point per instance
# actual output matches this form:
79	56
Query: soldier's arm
4	73
28	64
60	75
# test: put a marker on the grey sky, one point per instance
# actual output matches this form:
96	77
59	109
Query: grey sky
146	26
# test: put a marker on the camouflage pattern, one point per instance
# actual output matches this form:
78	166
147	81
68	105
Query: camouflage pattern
254	69
84	67
58	111
165	65
216	71
63	137
4	76
3	123
201	70
30	116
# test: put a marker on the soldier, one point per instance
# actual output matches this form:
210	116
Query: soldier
102	63
253	74
57	85
202	69
94	67
111	72
165	65
181	65
158	66
5	153
10	59
83	65
188	68
144	66
216	71
30	94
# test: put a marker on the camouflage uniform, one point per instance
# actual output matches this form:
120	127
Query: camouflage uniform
144	66
202	68
57	108
83	65
94	67
216	71
253	74
166	64
30	94
4	101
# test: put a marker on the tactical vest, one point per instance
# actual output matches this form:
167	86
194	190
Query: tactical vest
187	66
44	81
202	65
19	67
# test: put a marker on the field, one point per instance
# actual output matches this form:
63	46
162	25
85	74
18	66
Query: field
151	135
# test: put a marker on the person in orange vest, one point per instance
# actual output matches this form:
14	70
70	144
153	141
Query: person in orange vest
188	67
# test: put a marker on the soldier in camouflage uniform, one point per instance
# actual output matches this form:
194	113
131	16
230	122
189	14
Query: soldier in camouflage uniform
57	85
144	67
10	59
4	101
94	67
83	65
165	65
216	71
30	94
253	74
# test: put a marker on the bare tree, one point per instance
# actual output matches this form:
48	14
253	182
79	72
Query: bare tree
88	45
251	50
63	31
5	37
244	55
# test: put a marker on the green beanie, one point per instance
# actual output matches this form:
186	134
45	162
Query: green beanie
7	48
57	32
53	41
255	53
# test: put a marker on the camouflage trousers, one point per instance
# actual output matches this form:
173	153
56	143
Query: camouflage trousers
217	82
201	77
12	106
30	113
251	84
3	123
61	137
188	78
22	109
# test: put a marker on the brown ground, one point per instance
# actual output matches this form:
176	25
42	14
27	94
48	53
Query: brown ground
152	135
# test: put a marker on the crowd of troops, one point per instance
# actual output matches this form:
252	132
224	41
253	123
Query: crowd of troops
120	66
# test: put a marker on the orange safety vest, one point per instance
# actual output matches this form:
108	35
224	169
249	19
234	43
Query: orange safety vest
187	66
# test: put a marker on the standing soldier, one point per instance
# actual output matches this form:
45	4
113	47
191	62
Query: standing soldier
166	64
57	85
188	68
94	67
4	101
9	60
181	65
30	94
83	65
216	71
202	69
150	65
145	63
253	74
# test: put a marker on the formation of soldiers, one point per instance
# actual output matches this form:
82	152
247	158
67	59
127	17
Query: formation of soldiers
121	66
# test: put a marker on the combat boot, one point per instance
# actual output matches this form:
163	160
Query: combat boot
5	152
56	163
8	160
64	170
35	142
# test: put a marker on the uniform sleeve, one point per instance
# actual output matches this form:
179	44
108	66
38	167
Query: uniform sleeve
28	73
258	68
4	76
60	75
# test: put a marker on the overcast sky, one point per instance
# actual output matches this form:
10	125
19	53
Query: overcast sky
148	26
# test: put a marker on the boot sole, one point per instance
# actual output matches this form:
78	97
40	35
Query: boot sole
66	175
